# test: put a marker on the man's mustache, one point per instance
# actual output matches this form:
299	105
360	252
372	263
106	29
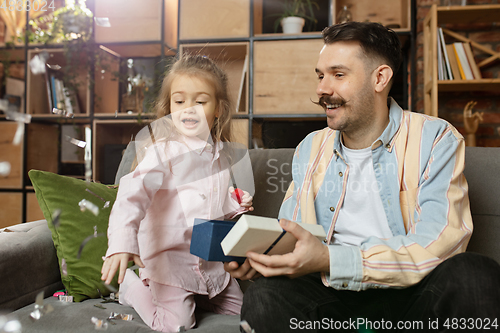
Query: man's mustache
330	100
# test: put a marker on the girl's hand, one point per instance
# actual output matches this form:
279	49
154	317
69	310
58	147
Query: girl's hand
245	199
118	261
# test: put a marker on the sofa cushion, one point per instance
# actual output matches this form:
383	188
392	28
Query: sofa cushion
481	168
80	268
28	264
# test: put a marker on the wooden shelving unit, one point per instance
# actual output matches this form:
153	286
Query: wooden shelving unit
144	33
271	79
280	76
438	16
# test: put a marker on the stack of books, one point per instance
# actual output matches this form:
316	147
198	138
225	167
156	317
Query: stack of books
456	61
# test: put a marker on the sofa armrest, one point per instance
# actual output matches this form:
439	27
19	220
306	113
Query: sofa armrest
28	264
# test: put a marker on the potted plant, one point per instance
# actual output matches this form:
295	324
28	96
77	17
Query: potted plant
294	16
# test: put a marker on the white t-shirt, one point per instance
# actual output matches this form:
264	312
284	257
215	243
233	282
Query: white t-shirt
362	213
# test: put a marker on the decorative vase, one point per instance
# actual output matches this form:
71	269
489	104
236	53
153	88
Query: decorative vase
292	25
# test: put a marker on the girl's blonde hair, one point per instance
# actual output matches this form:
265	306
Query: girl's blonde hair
203	68
163	128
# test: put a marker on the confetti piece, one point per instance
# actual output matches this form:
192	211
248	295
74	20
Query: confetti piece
111	288
4	169
63	113
85	241
40	309
88	155
100	325
116	315
9	324
64	267
106	203
102	22
37	65
18	116
56	67
18	137
246	327
99	306
76	142
4	104
87	205
55	218
66	299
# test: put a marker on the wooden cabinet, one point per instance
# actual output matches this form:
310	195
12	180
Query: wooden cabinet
272	76
144	32
463	15
271	81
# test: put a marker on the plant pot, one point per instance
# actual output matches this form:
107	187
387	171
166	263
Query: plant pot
292	25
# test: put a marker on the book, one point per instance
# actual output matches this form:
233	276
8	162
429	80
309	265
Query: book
463	63
447	67
453	62
440	60
472	62
263	235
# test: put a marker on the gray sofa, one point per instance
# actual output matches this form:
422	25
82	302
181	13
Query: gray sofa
28	262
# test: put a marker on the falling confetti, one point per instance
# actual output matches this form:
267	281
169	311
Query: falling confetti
4	169
86	240
64	267
55	218
76	142
102	22
9	324
63	113
18	116
87	205
40	308
100	325
106	203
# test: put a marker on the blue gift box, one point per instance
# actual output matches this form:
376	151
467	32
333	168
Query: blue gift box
206	238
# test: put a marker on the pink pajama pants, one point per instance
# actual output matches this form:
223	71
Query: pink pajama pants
166	308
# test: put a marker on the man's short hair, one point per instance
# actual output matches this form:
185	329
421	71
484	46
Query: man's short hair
375	40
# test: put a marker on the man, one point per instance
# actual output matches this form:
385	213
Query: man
387	186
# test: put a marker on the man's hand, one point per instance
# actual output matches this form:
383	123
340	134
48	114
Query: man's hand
309	256
243	272
118	261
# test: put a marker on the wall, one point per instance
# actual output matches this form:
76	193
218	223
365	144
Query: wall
451	104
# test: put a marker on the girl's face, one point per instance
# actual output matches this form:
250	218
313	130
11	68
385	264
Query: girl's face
186	93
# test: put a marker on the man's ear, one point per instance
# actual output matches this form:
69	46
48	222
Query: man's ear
383	75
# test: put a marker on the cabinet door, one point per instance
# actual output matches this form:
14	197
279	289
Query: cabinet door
284	77
33	210
11	207
201	19
12	154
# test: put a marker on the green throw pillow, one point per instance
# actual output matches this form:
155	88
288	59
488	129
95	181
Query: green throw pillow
55	193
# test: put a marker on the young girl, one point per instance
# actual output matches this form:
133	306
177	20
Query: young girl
182	174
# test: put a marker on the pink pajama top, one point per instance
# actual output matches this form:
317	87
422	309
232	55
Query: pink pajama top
176	182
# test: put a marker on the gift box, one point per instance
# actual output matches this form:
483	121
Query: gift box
263	235
206	238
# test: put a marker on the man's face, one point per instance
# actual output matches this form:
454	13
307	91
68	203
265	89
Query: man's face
345	87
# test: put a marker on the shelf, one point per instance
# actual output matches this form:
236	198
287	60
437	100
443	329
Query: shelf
10	153
470	85
463	16
280	88
468	14
393	13
37	91
233	59
135	21
202	19
110	138
10	206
